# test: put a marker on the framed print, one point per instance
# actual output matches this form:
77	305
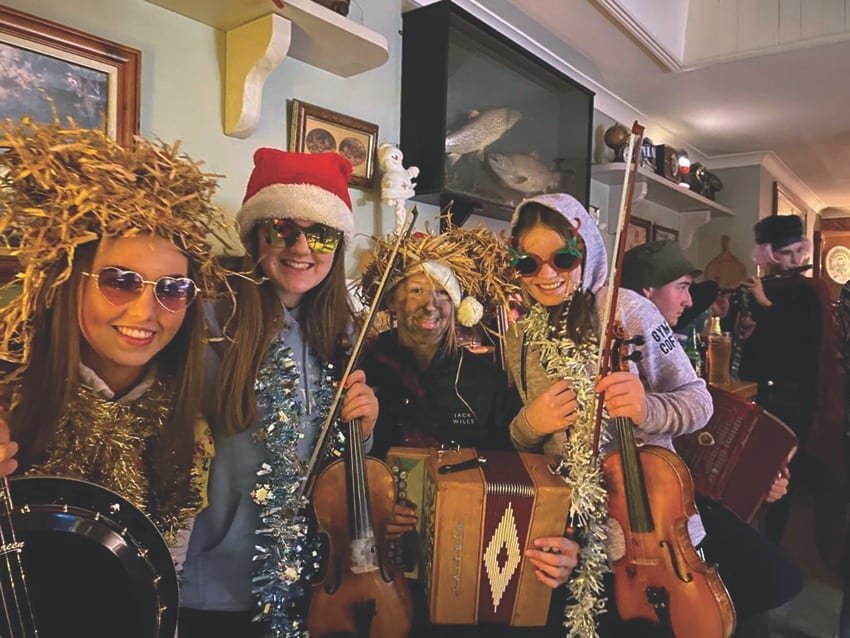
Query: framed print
638	232
319	130
784	203
662	232
46	67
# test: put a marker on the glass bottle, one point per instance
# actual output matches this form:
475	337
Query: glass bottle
693	350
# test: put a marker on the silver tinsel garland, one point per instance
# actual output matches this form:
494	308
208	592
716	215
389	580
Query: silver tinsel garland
562	358
285	551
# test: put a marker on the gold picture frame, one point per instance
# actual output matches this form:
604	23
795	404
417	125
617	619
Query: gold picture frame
96	81
315	129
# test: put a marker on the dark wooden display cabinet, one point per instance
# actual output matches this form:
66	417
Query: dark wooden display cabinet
487	122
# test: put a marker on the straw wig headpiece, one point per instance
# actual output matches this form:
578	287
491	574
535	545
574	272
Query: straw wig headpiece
476	258
62	187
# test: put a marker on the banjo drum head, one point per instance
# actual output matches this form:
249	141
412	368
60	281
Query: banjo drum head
94	564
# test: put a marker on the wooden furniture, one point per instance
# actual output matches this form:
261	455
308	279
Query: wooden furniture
744	389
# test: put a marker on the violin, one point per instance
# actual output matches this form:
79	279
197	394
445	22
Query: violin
359	591
661	577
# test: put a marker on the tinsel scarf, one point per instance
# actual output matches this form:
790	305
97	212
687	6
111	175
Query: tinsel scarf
112	444
285	550
580	467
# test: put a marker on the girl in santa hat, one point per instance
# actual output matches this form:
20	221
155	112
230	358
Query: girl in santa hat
271	390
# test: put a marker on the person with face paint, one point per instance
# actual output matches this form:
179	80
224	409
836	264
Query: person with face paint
791	352
270	389
105	337
561	262
432	391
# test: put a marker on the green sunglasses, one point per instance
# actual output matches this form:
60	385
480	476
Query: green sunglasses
284	231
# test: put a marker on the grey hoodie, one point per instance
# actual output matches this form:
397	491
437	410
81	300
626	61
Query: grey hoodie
677	400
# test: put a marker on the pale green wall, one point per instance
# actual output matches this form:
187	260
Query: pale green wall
741	194
181	94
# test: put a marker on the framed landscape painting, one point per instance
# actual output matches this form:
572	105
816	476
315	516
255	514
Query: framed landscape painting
49	70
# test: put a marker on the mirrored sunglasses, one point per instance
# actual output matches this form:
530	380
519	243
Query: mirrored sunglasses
564	259
284	231
120	287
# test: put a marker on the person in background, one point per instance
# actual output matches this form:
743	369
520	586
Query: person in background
756	572
270	388
843	324
791	353
432	391
104	339
561	262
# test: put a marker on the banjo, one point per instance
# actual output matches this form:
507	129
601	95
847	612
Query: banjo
77	559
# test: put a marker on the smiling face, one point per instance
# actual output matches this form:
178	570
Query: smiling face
119	341
293	270
423	311
548	286
672	299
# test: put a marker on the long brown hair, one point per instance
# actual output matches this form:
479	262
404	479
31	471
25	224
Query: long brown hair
54	371
258	318
582	321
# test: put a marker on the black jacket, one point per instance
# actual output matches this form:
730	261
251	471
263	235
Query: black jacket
460	397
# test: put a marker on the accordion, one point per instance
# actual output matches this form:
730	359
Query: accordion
475	522
735	458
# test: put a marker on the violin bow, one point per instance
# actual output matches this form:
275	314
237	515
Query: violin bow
333	412
615	272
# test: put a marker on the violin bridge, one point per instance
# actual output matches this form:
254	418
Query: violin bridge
364	557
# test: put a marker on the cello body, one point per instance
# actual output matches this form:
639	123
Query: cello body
661	577
360	594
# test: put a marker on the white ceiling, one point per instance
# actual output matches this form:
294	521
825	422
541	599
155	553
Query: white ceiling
795	103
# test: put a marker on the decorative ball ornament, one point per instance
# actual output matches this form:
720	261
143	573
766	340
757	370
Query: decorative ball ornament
617	138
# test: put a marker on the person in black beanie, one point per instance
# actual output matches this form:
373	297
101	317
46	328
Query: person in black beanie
791	351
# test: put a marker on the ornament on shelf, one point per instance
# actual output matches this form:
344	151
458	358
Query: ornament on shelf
397	182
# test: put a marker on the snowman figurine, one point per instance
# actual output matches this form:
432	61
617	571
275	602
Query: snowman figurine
397	185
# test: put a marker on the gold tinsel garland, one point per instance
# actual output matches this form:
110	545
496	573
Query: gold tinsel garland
63	186
113	444
580	467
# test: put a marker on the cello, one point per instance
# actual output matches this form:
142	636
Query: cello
360	592
660	577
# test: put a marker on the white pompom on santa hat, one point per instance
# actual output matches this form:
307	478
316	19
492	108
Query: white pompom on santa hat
311	186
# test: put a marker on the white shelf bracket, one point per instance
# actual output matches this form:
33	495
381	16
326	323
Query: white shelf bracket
252	52
688	224
614	197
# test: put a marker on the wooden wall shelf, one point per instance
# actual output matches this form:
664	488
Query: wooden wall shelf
259	34
659	190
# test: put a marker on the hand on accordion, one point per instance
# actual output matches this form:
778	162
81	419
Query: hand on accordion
554	561
403	521
779	488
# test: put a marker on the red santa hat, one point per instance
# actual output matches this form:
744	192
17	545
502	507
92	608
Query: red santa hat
310	186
